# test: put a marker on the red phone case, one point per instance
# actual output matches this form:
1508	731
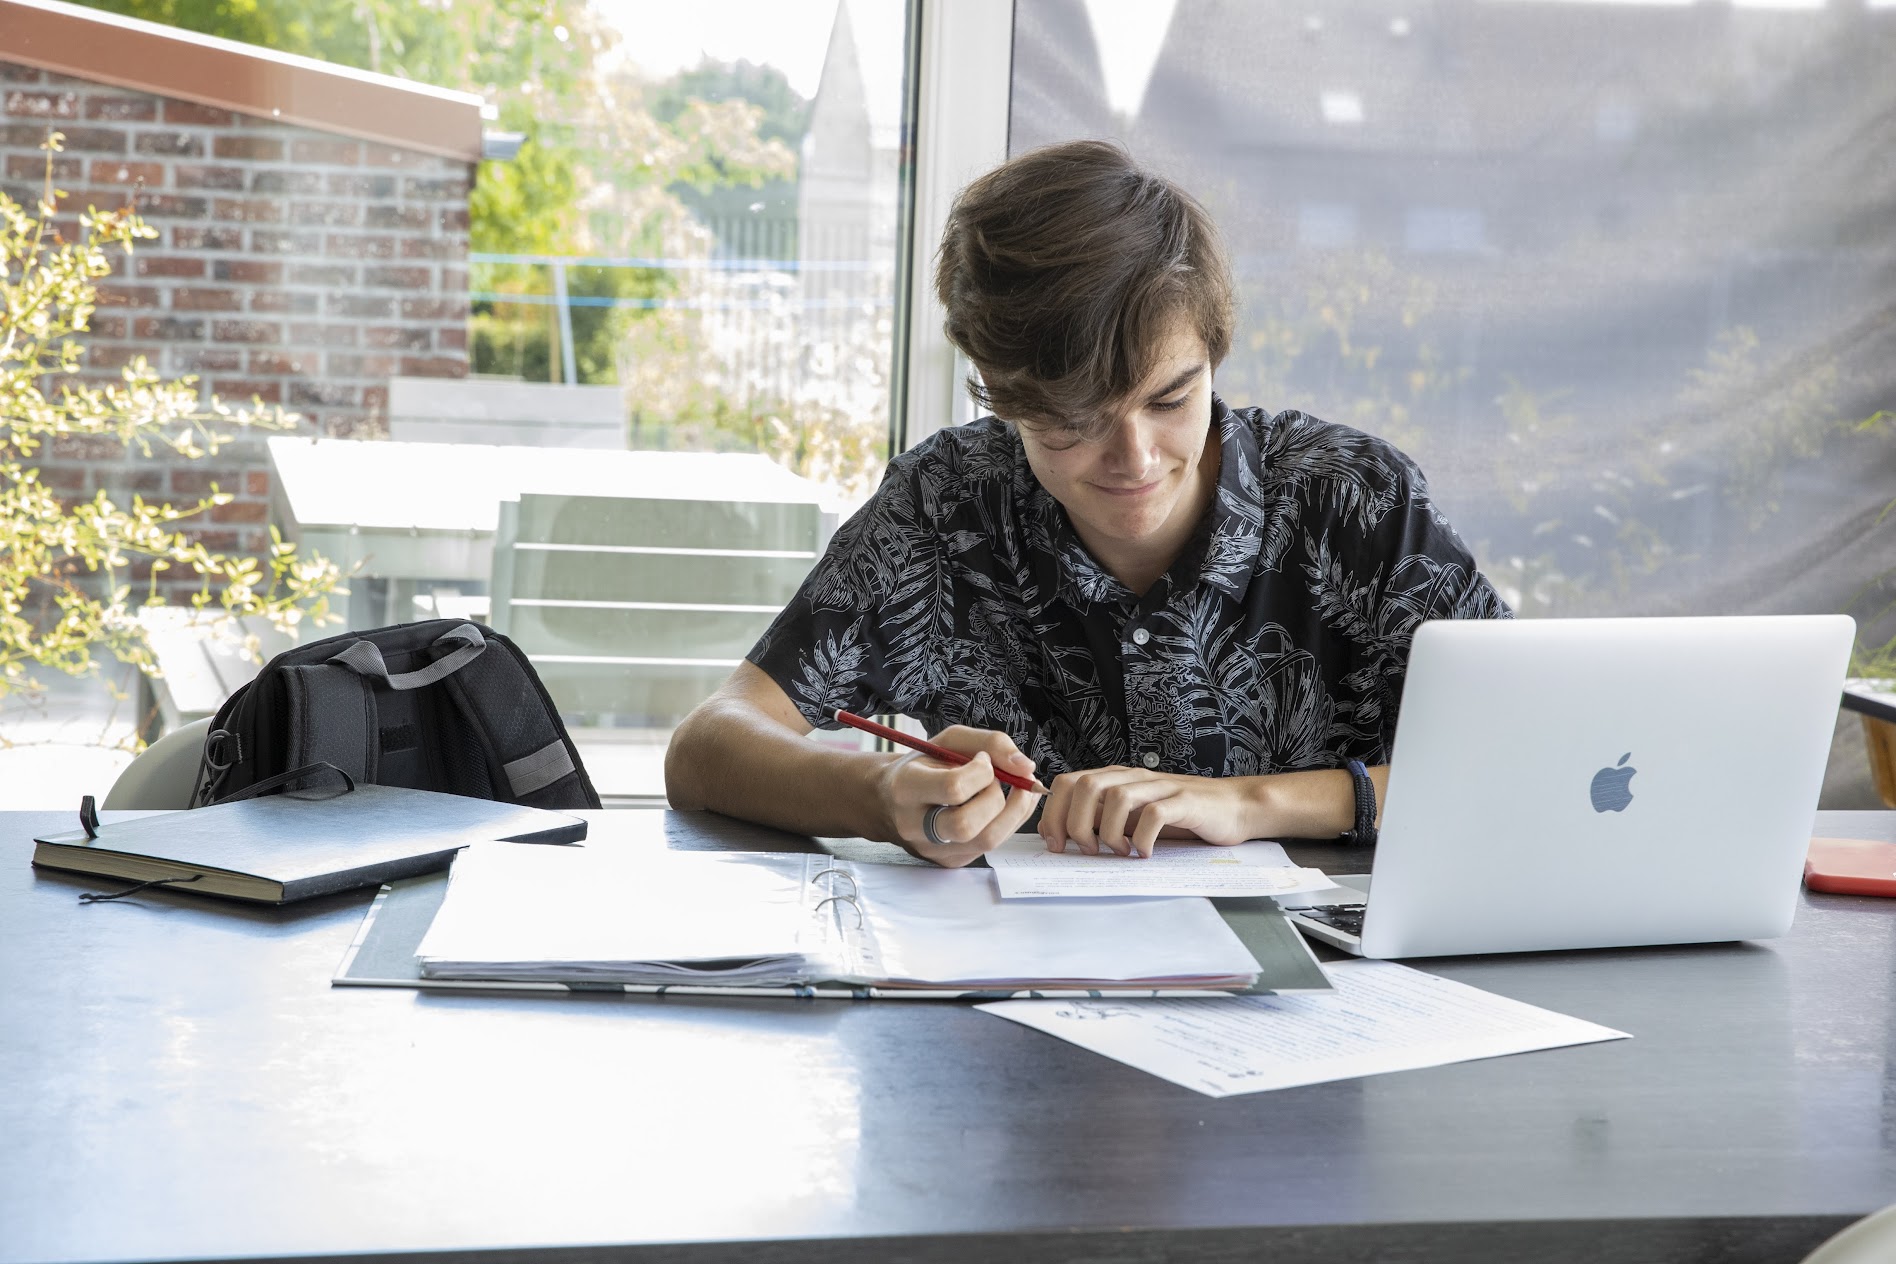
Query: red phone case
1851	866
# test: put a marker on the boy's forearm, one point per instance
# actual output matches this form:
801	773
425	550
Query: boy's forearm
729	758
1314	804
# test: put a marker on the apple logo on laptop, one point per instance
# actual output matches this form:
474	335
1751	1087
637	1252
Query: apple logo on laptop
1610	791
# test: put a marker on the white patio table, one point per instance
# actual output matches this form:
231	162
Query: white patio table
424	514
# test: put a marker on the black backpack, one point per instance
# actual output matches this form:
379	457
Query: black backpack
442	705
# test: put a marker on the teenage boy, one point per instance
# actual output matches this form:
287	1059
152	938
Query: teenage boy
1187	620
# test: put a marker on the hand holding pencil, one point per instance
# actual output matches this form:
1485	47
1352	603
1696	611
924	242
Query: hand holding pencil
930	749
950	807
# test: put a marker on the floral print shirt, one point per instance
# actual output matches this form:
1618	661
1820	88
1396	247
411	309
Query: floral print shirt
960	594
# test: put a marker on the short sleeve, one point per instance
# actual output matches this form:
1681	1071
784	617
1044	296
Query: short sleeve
828	649
1378	558
1415	568
1430	573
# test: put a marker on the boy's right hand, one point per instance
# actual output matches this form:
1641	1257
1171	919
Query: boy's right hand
977	812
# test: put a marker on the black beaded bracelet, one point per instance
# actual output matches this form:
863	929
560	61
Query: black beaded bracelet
1364	831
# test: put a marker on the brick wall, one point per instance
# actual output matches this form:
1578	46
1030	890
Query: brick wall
296	266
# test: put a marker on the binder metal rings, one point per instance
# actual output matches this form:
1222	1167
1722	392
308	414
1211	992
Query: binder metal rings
840	873
842	899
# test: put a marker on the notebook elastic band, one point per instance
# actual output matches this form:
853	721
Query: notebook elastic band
93	897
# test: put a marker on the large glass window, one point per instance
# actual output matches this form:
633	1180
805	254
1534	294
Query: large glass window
1617	275
602	358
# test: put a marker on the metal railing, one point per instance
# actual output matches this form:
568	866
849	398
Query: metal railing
768	323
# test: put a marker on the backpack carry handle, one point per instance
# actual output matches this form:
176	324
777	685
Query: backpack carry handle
364	659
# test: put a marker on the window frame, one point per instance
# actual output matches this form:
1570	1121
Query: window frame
959	85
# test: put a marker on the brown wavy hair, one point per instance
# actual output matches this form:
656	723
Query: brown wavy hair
1062	271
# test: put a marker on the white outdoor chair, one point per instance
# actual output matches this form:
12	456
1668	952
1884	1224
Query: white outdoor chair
164	772
203	662
638	608
1871	1240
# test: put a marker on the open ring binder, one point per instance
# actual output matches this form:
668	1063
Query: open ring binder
660	919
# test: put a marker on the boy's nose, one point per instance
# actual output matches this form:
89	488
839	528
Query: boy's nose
1129	450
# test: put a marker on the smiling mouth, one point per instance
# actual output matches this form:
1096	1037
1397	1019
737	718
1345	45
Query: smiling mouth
1137	490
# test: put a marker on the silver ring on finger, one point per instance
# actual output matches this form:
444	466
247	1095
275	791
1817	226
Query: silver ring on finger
928	826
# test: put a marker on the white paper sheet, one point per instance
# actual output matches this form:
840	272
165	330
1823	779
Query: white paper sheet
1027	870
1381	1017
949	926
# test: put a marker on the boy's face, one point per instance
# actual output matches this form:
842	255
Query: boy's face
1135	494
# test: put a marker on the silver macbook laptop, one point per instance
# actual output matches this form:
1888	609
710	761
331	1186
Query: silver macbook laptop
1594	783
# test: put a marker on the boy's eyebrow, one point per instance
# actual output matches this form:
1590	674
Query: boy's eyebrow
1177	382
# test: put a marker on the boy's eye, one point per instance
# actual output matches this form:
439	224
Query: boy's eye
1170	405
1056	437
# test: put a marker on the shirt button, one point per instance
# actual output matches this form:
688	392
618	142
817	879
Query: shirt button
1150	759
1140	636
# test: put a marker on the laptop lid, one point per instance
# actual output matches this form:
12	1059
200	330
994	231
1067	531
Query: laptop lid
1590	783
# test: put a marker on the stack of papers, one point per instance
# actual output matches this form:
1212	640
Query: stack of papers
581	914
1027	870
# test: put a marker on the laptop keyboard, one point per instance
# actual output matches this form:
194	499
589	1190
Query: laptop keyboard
1347	918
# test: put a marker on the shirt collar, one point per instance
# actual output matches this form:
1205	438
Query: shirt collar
1222	552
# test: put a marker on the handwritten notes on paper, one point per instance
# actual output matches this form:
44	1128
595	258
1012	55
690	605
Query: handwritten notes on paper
1381	1017
1027	870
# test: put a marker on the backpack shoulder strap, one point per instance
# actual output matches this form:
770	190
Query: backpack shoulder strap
331	720
502	695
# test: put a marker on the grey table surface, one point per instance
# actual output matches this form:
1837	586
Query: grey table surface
178	1080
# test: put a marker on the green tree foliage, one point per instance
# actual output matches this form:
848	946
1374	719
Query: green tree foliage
1355	341
66	567
1878	600
1361	324
610	166
600	171
531	59
786	112
749	217
625	200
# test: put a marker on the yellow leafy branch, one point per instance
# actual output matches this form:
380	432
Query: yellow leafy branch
66	567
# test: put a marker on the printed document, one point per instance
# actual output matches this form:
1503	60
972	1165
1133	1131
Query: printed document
1381	1017
1027	870
928	925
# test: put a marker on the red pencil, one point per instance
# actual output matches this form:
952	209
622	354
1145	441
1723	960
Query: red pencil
942	753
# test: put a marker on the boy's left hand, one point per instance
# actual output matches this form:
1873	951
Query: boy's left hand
1127	810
